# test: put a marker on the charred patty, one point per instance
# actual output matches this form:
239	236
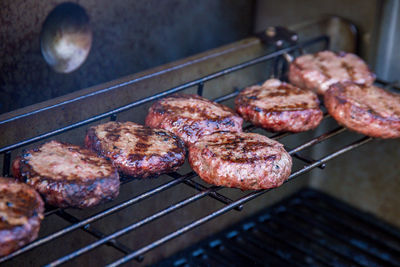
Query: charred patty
68	175
241	160
319	71
137	150
21	211
279	106
192	116
369	110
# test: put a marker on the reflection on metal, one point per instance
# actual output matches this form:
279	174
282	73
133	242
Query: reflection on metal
387	60
66	37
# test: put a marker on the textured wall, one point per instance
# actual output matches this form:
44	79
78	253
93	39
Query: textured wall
128	36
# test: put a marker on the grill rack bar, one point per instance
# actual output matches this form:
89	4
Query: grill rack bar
357	231
229	207
93	231
165	93
299	243
123	231
178	178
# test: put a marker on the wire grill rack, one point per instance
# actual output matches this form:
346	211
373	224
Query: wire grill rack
176	178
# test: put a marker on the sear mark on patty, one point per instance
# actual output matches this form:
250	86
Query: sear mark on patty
140	151
279	106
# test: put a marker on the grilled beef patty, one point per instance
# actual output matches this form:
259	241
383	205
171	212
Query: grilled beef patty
369	110
21	210
192	116
137	150
279	106
319	71
241	160
68	175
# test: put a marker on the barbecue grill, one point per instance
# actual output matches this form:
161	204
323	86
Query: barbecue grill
154	218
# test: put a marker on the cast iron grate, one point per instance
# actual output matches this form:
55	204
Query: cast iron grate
309	228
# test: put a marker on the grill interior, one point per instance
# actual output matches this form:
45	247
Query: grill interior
309	228
229	199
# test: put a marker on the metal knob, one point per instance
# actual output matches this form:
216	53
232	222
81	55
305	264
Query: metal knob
66	37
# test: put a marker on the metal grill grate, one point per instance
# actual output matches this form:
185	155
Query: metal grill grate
176	179
307	229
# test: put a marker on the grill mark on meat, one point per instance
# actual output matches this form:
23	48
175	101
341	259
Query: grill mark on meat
67	175
16	208
202	112
113	136
242	160
140	151
279	106
142	145
253	159
325	71
369	110
349	69
244	146
21	210
191	116
319	71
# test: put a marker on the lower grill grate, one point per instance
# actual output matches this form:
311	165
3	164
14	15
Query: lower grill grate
309	228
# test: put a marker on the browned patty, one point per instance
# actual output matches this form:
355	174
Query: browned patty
319	71
279	106
192	116
369	110
68	175
241	160
135	149
21	211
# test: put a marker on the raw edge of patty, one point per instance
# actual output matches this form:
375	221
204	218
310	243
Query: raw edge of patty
21	211
344	101
137	164
76	190
317	77
181	121
247	161
282	113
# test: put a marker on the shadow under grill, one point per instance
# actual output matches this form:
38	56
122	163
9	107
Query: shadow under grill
309	228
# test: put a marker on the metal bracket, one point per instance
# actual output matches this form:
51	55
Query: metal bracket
278	36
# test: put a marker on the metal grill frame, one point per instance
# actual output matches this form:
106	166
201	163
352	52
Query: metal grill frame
211	191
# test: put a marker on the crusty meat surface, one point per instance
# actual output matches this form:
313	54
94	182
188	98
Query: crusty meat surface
319	71
279	106
369	110
21	211
192	116
241	160
68	175
137	150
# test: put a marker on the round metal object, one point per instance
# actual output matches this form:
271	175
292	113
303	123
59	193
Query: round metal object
66	37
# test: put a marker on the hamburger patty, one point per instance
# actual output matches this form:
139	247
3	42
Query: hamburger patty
68	175
192	116
135	149
279	106
241	160
369	110
319	71
21	211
